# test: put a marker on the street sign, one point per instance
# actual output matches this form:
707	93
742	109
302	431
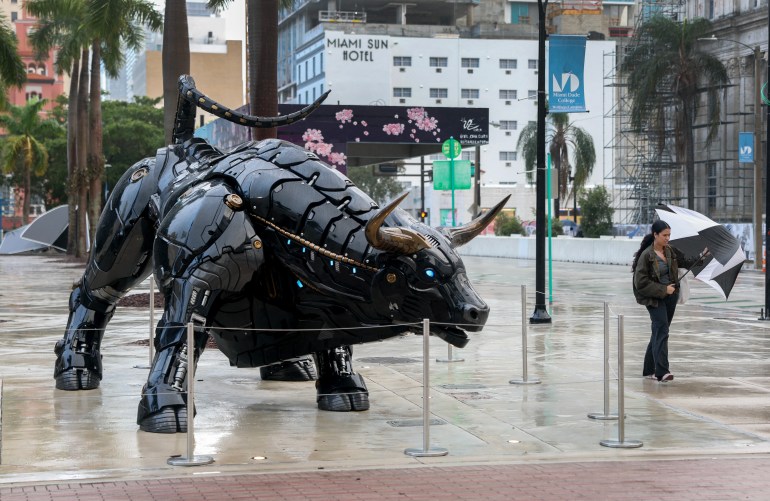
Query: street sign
451	148
442	177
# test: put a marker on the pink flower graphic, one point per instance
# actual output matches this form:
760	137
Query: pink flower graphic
393	129
323	149
366	133
363	122
312	135
344	115
338	158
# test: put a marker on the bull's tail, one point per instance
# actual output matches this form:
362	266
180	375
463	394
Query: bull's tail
191	98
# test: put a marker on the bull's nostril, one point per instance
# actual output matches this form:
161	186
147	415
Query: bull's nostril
473	313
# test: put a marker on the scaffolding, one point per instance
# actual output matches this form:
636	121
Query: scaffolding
645	168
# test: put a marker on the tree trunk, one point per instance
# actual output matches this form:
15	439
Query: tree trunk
262	61
689	156
95	153
176	59
82	154
72	185
27	185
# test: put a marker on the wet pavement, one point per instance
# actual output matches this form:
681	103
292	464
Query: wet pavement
717	407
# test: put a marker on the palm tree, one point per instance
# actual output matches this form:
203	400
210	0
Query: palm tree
176	59
22	154
666	69
262	57
11	68
114	25
85	30
562	137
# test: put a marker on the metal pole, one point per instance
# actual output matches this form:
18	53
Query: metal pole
190	459
767	179
524	379
550	229
621	443
422	188
757	159
540	315
426	450
152	318
452	176
606	415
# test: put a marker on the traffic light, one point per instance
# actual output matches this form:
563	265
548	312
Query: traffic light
423	215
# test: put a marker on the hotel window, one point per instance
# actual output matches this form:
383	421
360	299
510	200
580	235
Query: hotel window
519	13
509	124
469	93
438	62
532	64
507	94
402	61
402	92
507	156
438	93
469	62
508	64
532	94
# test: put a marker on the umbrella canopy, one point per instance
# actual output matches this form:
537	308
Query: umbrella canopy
691	232
13	243
49	229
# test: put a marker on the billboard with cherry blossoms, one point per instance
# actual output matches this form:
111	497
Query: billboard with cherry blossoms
361	135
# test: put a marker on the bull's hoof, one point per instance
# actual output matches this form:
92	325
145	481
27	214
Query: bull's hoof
77	379
167	420
344	402
293	369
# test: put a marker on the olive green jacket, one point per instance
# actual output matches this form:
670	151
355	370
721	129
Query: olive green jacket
647	287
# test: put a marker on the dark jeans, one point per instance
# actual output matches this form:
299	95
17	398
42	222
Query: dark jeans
656	357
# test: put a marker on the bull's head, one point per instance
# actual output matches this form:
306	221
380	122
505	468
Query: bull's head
420	275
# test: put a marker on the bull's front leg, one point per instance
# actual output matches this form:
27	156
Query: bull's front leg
205	245
338	387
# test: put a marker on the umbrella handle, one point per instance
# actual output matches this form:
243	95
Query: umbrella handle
700	258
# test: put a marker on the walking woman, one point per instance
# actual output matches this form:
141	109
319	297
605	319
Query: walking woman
656	271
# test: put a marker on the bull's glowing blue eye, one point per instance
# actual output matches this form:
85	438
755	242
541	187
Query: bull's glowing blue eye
430	273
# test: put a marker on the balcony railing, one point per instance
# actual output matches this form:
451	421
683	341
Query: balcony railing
339	16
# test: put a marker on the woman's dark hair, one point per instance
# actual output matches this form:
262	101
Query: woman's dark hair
657	227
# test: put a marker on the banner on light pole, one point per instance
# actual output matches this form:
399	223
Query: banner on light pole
746	147
566	63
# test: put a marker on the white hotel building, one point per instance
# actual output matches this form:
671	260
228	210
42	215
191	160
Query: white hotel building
449	70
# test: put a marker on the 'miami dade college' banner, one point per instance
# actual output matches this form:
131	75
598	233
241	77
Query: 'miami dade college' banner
567	55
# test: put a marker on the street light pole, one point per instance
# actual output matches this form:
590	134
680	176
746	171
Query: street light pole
540	315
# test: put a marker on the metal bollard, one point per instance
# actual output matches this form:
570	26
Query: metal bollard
449	358
190	459
152	325
426	450
524	379
606	415
621	442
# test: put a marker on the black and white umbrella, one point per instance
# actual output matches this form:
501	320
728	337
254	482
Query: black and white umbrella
691	232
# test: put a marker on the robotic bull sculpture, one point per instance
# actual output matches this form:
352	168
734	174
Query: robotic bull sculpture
263	237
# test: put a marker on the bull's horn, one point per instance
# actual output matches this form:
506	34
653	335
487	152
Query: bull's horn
399	240
465	233
188	90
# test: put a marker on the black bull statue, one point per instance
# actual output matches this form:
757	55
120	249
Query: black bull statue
263	237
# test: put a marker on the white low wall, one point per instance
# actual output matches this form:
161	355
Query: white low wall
604	250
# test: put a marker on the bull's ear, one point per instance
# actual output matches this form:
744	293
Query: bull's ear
467	232
399	240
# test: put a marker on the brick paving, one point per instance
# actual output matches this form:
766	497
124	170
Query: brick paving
722	478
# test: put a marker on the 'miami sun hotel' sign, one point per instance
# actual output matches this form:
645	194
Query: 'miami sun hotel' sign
358	48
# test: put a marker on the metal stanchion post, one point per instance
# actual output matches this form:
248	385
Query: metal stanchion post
190	459
524	379
426	450
606	415
449	358
152	325
621	442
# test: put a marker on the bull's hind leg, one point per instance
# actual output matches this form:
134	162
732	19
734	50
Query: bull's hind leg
338	387
293	369
119	261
